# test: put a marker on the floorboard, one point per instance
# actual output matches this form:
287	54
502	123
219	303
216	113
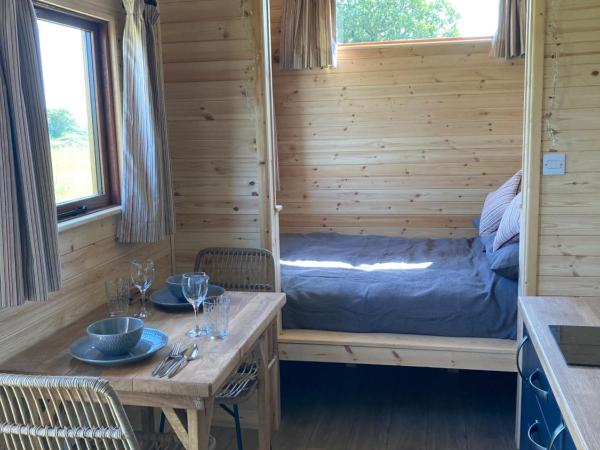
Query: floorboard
338	407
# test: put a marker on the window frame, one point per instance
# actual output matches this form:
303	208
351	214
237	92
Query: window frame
107	153
408	42
432	40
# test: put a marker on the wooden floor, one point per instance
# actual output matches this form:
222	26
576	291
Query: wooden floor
335	407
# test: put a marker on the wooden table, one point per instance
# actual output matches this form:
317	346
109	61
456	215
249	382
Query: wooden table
188	398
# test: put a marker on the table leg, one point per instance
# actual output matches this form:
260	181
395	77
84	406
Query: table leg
264	400
147	418
199	422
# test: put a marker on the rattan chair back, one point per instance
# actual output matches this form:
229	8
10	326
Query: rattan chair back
43	412
238	269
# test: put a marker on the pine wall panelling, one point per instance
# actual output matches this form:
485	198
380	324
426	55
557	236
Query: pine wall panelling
398	139
210	75
569	243
89	252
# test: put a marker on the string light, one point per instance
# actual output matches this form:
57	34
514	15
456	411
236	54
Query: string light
248	85
553	29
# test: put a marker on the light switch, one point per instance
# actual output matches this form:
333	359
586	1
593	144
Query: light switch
554	163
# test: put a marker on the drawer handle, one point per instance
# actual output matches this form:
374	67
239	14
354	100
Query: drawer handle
519	349
538	391
534	426
532	429
557	432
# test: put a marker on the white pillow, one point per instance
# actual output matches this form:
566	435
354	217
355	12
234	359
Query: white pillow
510	225
496	203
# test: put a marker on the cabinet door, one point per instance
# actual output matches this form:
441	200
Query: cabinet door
527	397
567	442
540	415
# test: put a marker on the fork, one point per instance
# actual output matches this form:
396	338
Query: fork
176	350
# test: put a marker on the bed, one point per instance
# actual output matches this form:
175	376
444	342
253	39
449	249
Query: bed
390	300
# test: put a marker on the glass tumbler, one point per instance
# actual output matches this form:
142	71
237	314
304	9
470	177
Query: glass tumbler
117	293
216	311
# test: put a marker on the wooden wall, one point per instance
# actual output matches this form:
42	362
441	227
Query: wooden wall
569	246
89	252
398	139
210	65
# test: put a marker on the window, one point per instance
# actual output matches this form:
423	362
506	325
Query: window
398	20
78	90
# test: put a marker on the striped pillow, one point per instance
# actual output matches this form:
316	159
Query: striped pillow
510	225
496	203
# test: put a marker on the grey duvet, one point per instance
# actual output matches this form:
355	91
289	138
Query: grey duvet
375	284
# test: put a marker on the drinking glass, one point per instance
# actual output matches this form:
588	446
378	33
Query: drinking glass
117	293
195	287
216	311
142	276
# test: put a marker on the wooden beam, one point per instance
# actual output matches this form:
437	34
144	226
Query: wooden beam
265	138
398	350
532	146
177	425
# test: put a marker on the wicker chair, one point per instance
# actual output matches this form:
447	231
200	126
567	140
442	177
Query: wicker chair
43	412
238	269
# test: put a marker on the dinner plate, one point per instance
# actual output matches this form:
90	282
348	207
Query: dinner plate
163	298
152	340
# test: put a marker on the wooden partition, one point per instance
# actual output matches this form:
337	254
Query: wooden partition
89	251
569	242
398	139
212	68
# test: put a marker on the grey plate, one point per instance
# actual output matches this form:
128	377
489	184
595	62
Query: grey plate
166	300
152	341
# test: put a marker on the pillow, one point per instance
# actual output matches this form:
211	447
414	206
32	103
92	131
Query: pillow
488	242
510	225
505	261
496	203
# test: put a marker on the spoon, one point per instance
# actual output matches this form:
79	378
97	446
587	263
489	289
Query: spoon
190	354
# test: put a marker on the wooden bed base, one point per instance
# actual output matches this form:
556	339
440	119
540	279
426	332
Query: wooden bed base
398	350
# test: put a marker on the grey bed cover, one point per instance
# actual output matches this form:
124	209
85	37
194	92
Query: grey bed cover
376	284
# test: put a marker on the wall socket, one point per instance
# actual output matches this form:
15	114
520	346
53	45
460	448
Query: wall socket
554	164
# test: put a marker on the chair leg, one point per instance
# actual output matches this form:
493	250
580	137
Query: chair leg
161	428
238	427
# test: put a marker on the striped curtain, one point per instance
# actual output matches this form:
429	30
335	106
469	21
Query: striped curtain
308	39
146	188
29	258
509	40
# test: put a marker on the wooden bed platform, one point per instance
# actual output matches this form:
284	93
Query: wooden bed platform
398	350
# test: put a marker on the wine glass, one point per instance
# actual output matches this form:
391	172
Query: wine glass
142	276
195	287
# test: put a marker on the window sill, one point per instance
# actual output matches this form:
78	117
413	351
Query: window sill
91	217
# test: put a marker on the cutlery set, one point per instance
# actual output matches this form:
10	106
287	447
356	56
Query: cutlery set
176	360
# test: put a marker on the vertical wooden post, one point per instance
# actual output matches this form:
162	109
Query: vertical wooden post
532	145
265	126
262	391
274	388
532	156
147	418
199	422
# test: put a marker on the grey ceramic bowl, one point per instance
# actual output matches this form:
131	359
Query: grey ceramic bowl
117	335
174	285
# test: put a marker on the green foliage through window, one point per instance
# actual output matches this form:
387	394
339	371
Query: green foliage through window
395	20
61	123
